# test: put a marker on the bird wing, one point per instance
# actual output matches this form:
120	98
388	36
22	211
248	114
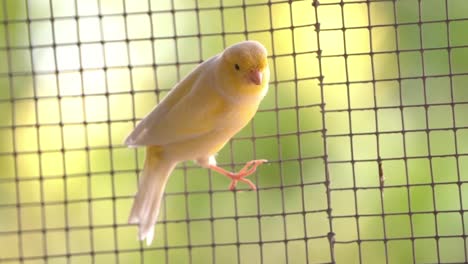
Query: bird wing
187	112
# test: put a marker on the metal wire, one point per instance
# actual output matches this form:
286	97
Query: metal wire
366	157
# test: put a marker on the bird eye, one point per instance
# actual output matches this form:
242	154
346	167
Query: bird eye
236	66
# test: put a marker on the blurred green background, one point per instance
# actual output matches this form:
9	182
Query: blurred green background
75	75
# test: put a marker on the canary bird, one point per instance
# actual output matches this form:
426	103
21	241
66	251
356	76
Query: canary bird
195	120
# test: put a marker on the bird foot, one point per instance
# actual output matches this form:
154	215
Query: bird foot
247	170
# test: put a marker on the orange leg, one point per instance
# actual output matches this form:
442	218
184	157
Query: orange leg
248	169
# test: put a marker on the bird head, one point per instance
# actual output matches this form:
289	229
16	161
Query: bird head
247	63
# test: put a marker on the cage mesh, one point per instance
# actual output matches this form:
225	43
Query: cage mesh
364	127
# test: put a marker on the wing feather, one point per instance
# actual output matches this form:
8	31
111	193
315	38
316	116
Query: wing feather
164	125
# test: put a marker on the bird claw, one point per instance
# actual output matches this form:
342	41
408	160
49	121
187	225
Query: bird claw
247	170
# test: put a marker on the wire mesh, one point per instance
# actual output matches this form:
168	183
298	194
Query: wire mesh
364	127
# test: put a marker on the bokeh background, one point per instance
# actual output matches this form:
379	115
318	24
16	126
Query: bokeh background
365	127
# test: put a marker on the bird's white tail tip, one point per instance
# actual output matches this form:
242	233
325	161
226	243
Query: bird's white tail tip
148	235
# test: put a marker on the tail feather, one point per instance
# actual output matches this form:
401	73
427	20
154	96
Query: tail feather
145	209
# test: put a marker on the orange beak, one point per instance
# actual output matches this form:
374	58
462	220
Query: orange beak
255	76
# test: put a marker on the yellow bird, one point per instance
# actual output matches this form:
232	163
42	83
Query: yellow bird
195	120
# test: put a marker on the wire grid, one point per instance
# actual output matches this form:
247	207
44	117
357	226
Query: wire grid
364	128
